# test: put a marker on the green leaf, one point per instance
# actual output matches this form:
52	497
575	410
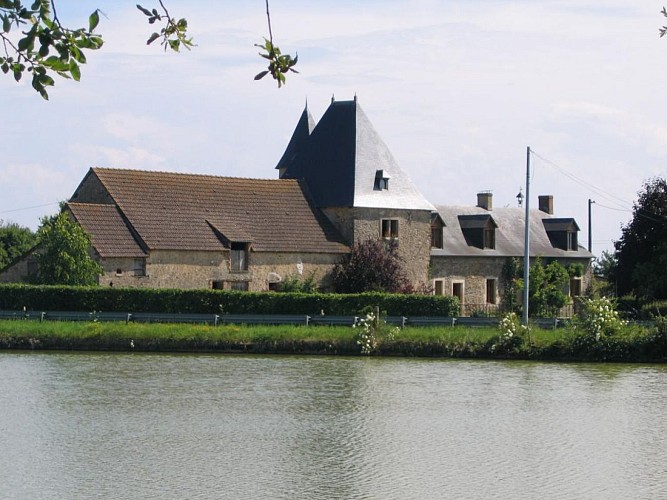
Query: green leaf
174	44
74	70
261	75
26	43
56	64
6	24
93	20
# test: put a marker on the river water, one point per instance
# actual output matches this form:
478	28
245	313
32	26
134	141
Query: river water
82	425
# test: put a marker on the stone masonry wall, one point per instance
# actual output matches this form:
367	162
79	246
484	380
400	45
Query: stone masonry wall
179	269
473	273
414	237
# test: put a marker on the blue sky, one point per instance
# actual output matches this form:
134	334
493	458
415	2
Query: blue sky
457	89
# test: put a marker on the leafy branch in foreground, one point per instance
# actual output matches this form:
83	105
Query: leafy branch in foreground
173	34
279	63
46	47
35	41
663	30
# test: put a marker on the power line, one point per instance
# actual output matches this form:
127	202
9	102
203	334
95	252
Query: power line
619	202
28	208
599	192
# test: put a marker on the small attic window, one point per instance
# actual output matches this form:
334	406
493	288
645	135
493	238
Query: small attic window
479	231
381	180
562	233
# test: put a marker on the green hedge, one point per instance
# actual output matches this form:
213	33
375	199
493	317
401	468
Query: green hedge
71	298
654	309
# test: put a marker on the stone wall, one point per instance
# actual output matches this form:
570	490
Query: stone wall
17	271
472	273
414	237
199	269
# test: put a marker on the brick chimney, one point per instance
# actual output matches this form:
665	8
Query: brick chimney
485	200
546	203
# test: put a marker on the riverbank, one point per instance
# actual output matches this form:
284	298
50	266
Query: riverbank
567	344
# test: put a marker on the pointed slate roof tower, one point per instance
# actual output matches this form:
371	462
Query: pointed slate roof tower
343	161
297	143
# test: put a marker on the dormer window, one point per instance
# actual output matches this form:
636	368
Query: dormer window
479	231
239	257
437	224
562	233
381	180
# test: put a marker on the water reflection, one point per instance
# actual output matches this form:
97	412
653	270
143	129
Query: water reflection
208	426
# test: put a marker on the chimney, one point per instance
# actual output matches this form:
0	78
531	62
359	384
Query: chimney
546	202
485	200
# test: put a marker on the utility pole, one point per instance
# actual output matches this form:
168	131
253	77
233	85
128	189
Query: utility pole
526	244
590	226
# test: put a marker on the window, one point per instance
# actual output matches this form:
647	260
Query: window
239	257
457	291
572	243
436	237
490	238
381	180
575	287
217	285
240	286
389	228
491	291
119	272
439	288
479	230
140	267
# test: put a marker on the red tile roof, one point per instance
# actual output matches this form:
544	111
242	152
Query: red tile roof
109	234
184	211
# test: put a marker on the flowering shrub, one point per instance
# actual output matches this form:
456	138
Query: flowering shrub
511	332
372	332
601	317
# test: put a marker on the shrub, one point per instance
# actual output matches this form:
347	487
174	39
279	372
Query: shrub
372	332
373	266
601	318
511	334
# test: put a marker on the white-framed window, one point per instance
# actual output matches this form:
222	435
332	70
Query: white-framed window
575	287
389	229
438	287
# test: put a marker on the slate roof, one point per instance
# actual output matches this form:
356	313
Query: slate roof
477	221
173	211
560	224
109	233
340	159
509	240
298	141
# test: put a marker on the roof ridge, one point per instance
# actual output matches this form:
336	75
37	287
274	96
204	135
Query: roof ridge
188	174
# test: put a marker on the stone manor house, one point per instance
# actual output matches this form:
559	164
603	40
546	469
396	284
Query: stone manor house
338	184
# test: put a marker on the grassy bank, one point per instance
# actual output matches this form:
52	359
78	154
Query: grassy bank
630	345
